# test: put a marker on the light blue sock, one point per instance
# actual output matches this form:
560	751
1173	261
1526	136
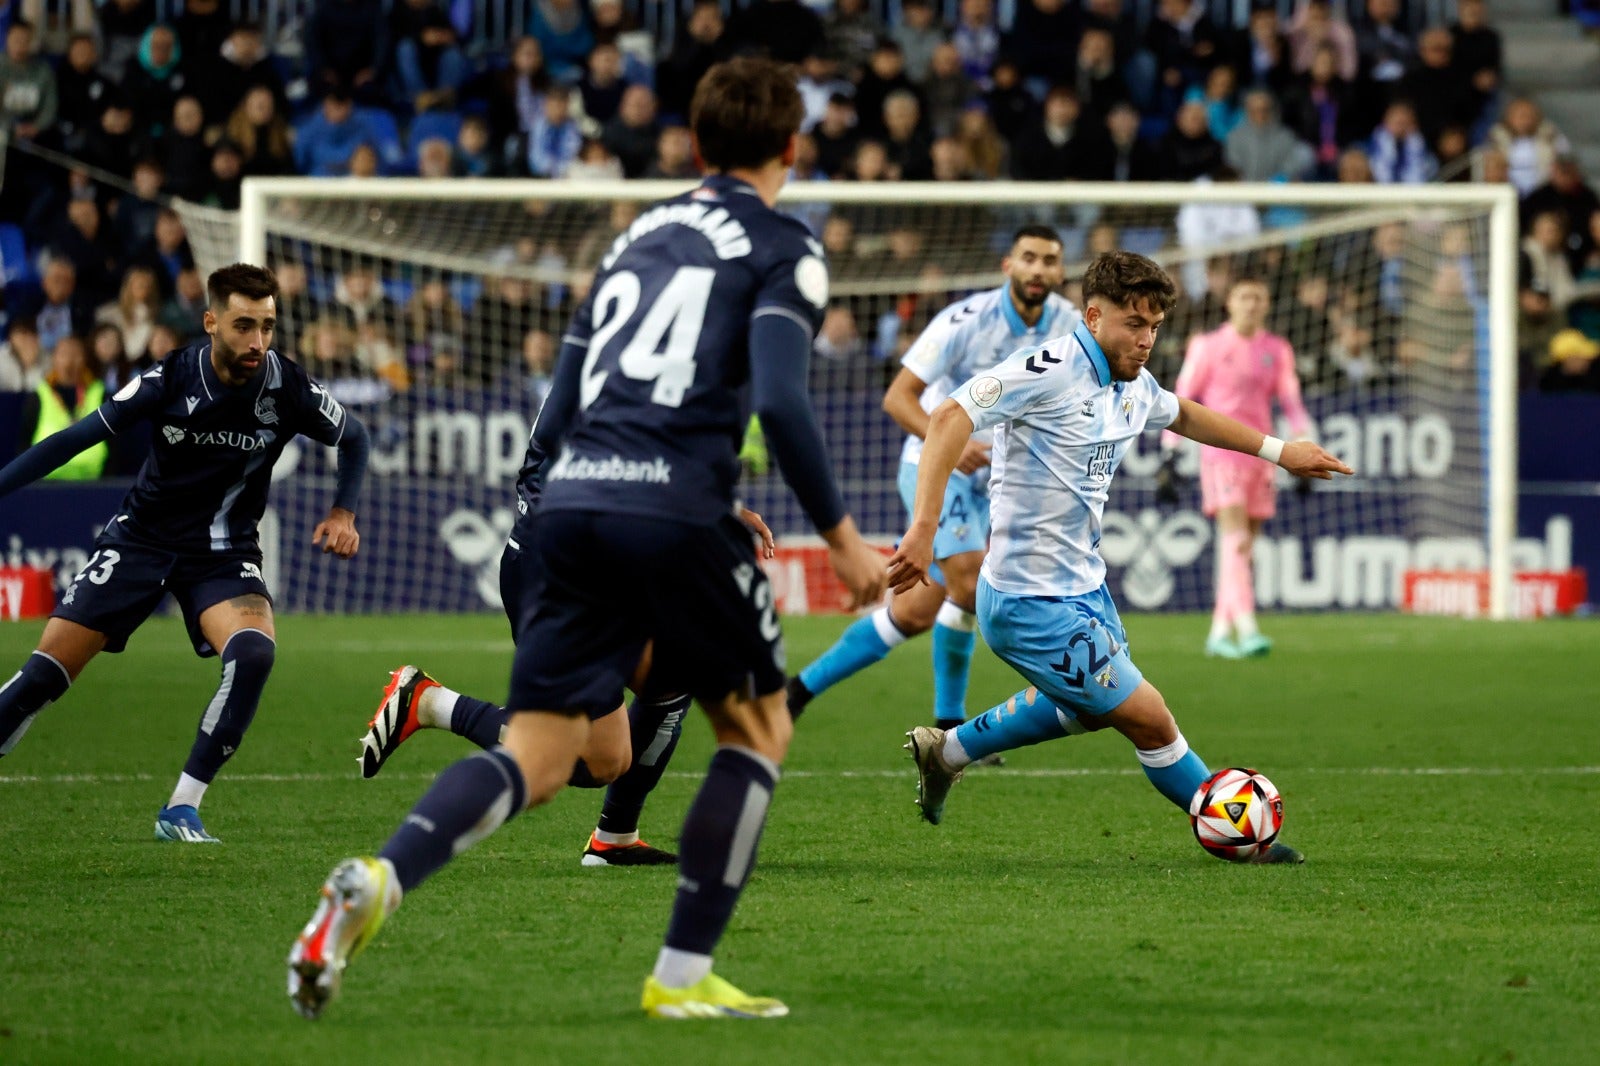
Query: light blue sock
954	633
864	643
1026	718
1175	771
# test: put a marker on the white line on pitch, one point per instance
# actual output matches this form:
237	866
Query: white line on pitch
833	775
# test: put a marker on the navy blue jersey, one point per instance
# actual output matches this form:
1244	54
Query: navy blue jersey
664	339
204	486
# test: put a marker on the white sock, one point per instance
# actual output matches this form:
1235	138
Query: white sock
1245	626
434	706
680	969
189	792
955	756
1219	628
616	838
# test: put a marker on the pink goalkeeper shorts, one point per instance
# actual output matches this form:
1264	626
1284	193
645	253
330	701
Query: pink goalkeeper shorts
1233	480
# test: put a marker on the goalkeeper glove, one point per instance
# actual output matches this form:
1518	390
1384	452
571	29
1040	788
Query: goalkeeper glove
753	452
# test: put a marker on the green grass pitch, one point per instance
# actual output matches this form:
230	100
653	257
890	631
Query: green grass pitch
1442	777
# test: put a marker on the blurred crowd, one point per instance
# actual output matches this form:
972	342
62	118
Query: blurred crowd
116	108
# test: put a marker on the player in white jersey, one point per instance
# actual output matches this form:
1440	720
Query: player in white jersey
1064	414
966	338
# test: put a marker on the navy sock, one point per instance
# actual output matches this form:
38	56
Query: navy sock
718	846
470	800
478	720
246	663
655	726
39	683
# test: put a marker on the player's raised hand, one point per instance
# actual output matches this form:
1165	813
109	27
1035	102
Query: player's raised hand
974	457
769	546
909	565
337	533
1304	458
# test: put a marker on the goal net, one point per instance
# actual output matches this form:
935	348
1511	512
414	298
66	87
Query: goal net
432	310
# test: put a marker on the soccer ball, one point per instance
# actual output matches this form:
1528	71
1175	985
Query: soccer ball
1236	813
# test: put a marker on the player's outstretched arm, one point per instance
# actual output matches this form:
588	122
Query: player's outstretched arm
337	533
1303	458
949	430
52	452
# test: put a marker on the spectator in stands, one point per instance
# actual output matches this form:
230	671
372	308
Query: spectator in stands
1568	193
1316	23
1530	141
227	176
839	341
1137	64
134	218
949	160
112	145
329	352
1263	148
186	306
982	144
600	89
429	64
1353	358
515	94
508	310
699	44
1537	324
885	74
122	26
1321	108
947	90
631	133
538	364
436	158
1011	107
21	361
1188	148
347	47
1260	54
977	38
108	352
1355	166
167	251
1476	50
1185	43
71	389
183	151
819	81
297	308
871	162
1441	93
325	142
135	310
258	129
1099	83
1059	146
360	305
27	86
202	27
549	149
239	65
851	31
1224	111
156	77
614	25
436	332
1398	150
839	242
1545	252
1130	158
474	155
836	136
785	30
1573	366
1440	329
674	156
918	33
906	140
1383	43
164	340
566	35
81	89
1043	34
1203	225
81	239
1453	151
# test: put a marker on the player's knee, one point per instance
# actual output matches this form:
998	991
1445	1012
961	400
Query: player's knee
911	616
765	733
252	653
608	765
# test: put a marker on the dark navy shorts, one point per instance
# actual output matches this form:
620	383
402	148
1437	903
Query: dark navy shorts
521	573
124	581
610	584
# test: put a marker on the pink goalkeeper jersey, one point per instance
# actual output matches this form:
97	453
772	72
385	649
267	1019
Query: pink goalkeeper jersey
1238	376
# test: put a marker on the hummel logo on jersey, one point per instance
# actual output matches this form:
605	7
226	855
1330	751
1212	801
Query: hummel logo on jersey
172	433
193	402
1088	408
966	312
1041	361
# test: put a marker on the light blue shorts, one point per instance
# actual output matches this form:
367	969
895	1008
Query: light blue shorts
963	521
1071	648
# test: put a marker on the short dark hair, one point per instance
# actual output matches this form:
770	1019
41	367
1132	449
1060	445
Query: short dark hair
744	112
1126	278
251	282
1038	230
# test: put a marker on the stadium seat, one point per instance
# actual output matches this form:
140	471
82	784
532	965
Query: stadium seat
15	263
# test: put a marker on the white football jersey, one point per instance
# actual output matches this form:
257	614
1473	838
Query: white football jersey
972	335
1061	428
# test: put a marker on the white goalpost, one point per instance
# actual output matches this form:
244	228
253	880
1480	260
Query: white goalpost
432	308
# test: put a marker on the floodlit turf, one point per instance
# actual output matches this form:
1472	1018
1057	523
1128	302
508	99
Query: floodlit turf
1442	777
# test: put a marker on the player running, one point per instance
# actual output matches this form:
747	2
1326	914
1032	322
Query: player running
223	411
705	296
963	340
1236	369
1065	413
